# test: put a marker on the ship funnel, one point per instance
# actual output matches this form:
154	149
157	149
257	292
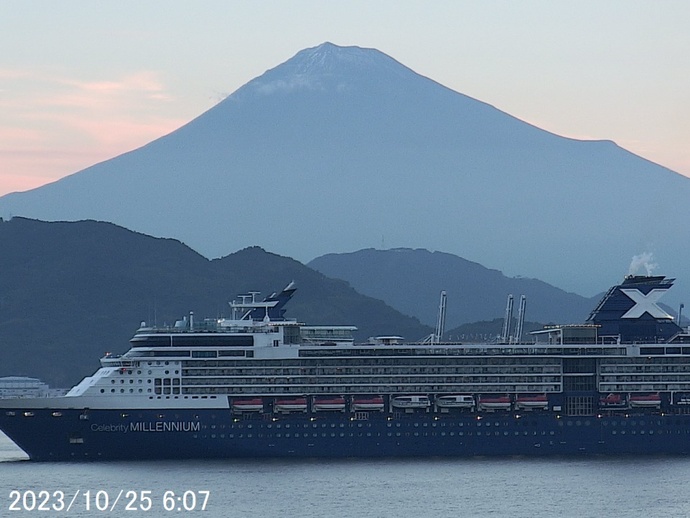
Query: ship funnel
630	311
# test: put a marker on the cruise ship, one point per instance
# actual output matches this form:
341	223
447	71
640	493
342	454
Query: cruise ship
260	385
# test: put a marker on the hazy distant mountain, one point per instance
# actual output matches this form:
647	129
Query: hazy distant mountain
341	148
69	292
411	281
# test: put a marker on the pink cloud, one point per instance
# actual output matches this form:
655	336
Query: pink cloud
52	125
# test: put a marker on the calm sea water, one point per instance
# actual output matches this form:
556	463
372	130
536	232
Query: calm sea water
510	487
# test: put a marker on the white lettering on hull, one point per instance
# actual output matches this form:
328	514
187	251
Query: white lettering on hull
143	426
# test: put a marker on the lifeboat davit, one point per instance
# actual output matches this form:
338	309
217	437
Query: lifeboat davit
291	405
531	402
612	400
455	401
645	400
367	403
414	401
494	403
248	405
334	404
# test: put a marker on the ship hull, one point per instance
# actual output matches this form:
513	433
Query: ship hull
209	433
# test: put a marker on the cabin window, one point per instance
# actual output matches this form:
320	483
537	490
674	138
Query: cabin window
204	354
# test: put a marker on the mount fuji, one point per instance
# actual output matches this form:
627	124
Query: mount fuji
344	148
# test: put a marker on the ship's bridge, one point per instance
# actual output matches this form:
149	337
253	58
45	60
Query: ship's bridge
570	334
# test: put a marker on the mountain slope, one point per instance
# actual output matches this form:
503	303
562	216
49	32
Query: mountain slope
340	148
411	281
69	292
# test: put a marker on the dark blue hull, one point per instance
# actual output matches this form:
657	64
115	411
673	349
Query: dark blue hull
137	434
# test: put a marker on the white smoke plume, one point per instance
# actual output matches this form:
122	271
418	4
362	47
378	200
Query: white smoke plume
644	260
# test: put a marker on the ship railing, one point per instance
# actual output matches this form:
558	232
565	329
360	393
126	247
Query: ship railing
112	361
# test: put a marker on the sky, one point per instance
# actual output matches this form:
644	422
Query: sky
82	81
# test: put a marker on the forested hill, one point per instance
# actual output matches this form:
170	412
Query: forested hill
70	291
